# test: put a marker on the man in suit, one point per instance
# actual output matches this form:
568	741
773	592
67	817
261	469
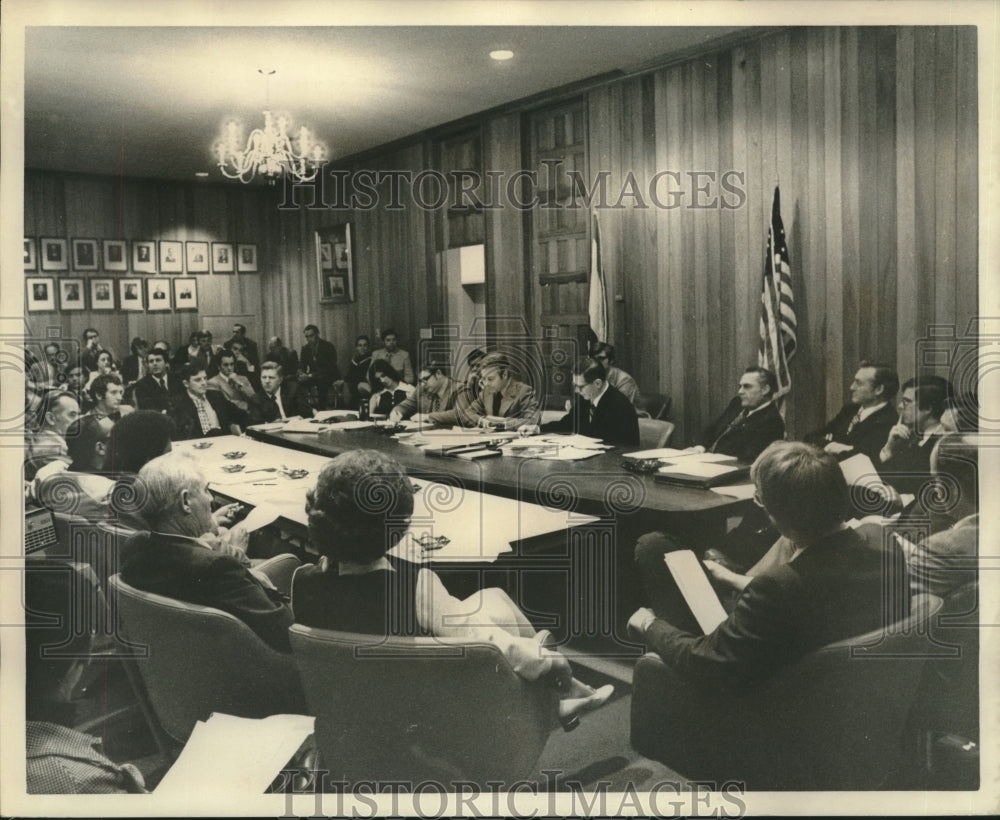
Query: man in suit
502	402
435	393
598	410
318	363
108	394
277	398
234	387
617	378
905	459
183	555
249	345
198	412
91	348
829	587
395	355
134	365
750	422
157	389
356	378
863	424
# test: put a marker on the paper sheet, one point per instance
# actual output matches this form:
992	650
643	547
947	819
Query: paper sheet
696	589
260	516
697	468
325	415
240	755
740	491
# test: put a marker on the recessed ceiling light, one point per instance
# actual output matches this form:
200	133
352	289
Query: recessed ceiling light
502	54
201	173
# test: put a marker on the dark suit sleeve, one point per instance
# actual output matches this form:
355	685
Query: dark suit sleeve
568	423
746	647
237	592
227	412
770	428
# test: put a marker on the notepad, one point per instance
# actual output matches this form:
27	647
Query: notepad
696	589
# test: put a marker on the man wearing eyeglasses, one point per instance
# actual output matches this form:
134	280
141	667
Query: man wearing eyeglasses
435	393
823	584
617	378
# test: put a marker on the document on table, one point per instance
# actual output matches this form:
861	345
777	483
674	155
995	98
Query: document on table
670	454
242	754
741	491
698	468
696	589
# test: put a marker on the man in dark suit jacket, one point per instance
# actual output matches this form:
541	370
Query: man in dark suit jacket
183	557
157	390
905	459
318	362
829	587
133	364
277	399
863	424
599	410
750	422
198	412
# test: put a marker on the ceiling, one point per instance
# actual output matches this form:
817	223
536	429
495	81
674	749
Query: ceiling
150	102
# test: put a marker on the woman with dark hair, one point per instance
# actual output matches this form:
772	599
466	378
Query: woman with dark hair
105	367
388	388
358	511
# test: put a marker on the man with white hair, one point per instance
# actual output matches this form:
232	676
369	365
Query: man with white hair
183	557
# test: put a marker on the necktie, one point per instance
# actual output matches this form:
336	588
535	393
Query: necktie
741	417
854	422
496	404
590	414
160	383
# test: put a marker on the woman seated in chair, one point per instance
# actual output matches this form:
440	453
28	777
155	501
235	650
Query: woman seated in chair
359	509
389	388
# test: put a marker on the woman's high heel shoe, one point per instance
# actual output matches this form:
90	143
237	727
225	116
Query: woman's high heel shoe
570	709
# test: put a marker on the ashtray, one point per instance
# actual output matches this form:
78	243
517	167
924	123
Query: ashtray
203	445
428	543
295	473
642	465
232	468
234	454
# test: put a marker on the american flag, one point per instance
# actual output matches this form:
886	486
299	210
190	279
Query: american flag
777	305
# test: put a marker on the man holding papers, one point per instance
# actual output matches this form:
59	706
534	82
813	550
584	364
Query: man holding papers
830	588
599	410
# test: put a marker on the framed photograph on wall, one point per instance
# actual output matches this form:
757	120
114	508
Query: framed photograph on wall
130	294
30	255
41	292
54	254
102	294
171	256
197	257
71	294
222	258
246	259
143	256
86	255
157	294
336	277
186	293
115	254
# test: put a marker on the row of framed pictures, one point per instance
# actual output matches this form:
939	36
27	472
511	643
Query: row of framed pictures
46	293
148	256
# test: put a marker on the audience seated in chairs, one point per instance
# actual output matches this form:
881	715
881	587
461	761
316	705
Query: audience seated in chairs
186	556
234	387
825	585
59	759
357	587
392	353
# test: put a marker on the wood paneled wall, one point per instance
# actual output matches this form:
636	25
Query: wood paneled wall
75	206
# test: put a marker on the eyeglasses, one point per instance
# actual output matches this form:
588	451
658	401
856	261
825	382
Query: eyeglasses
423	379
757	500
601	358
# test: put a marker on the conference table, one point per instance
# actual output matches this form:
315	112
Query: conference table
558	536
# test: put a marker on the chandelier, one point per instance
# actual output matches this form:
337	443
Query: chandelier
269	151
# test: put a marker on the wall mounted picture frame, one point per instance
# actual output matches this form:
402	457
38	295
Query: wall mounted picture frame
336	277
102	294
171	256
246	258
86	254
130	294
196	257
54	254
115	254
222	258
143	256
30	254
71	294
186	294
158	295
41	293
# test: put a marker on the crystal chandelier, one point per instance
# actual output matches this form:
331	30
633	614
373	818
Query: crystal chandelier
269	151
